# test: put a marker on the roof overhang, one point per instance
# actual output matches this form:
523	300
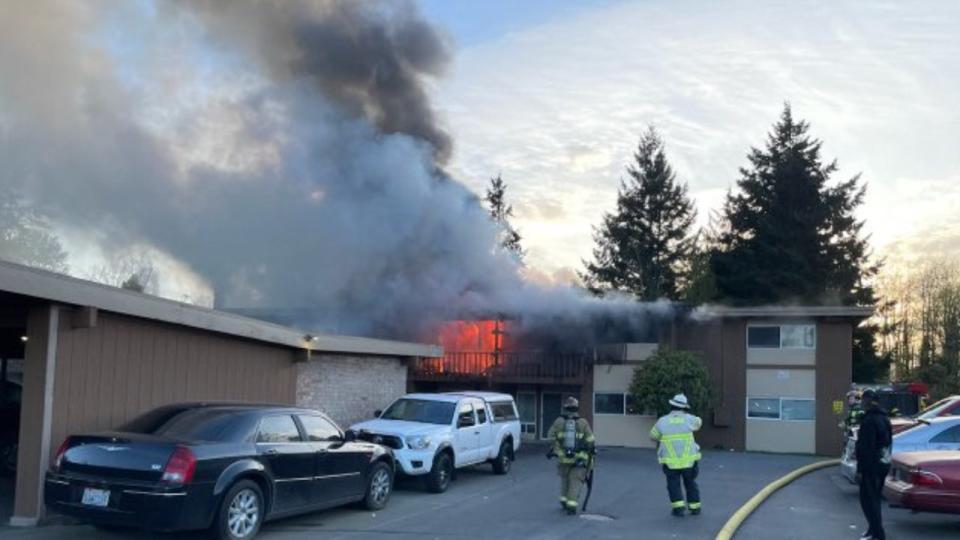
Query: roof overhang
49	286
846	312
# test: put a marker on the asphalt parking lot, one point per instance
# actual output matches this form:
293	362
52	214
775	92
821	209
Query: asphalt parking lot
824	505
629	490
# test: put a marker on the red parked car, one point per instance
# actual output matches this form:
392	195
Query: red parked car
925	482
945	407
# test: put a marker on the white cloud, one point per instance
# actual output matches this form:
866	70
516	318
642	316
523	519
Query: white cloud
557	109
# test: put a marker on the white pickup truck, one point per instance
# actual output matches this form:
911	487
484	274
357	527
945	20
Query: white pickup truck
433	434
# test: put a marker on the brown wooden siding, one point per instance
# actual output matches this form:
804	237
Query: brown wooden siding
125	366
722	345
834	375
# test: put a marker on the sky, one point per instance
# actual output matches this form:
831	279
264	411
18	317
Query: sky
201	132
554	95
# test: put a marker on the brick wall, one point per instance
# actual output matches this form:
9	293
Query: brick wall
350	388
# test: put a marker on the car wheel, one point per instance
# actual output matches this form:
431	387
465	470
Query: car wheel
439	478
241	512
501	465
379	487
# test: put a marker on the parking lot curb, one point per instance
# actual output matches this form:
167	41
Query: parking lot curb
730	527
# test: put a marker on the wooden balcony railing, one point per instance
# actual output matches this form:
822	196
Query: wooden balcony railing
508	367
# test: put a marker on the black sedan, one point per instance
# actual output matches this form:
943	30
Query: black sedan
224	467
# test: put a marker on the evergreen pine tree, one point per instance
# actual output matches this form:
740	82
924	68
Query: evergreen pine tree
501	212
644	247
700	285
791	236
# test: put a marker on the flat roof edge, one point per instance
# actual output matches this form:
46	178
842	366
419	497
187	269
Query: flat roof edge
854	312
45	285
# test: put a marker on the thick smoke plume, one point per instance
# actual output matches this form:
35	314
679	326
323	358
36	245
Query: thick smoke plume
372	59
286	152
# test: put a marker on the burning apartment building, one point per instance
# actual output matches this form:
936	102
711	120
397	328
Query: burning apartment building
779	373
311	170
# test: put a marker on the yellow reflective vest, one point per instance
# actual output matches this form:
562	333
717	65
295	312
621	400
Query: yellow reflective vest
677	448
584	441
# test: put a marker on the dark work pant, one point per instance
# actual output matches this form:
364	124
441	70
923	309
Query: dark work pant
689	479
871	487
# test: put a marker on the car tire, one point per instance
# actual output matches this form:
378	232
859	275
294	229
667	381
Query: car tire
441	473
241	512
503	461
379	486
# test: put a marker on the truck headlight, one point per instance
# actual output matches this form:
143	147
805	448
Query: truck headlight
418	442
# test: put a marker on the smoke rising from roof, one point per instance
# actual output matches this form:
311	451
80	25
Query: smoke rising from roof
371	59
285	151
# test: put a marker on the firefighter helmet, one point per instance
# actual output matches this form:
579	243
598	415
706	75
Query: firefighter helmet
571	403
680	401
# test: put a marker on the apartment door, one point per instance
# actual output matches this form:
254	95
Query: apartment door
527	407
550	409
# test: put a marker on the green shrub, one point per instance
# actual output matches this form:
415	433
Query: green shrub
668	373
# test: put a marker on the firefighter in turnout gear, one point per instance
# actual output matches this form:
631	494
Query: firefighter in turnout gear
679	455
573	445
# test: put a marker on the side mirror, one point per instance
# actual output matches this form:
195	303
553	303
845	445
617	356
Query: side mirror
349	436
464	422
377	413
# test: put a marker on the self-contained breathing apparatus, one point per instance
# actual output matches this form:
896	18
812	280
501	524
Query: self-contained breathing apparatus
570	446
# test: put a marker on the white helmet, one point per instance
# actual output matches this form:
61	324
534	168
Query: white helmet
680	401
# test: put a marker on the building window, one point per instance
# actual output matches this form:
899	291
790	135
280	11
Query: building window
763	337
797	336
785	336
764	408
789	409
618	403
608	403
798	409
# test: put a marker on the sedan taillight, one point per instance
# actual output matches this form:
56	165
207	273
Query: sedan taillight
58	461
180	467
919	477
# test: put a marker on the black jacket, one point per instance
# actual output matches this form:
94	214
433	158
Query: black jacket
875	435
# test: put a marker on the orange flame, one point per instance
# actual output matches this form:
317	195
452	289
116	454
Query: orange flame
471	346
474	336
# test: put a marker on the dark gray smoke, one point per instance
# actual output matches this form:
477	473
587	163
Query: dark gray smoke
284	151
371	58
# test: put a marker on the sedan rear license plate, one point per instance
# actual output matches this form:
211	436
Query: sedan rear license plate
95	497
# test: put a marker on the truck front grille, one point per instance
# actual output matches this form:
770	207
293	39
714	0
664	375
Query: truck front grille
389	441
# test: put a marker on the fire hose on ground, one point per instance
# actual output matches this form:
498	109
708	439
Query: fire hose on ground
741	515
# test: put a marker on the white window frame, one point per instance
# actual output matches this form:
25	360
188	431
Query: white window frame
520	418
781	346
780	417
747	336
788	398
800	347
761	418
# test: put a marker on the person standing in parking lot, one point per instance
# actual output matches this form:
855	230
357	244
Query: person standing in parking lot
874	442
573	444
679	455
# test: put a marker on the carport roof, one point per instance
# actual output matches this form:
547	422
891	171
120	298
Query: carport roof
41	284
